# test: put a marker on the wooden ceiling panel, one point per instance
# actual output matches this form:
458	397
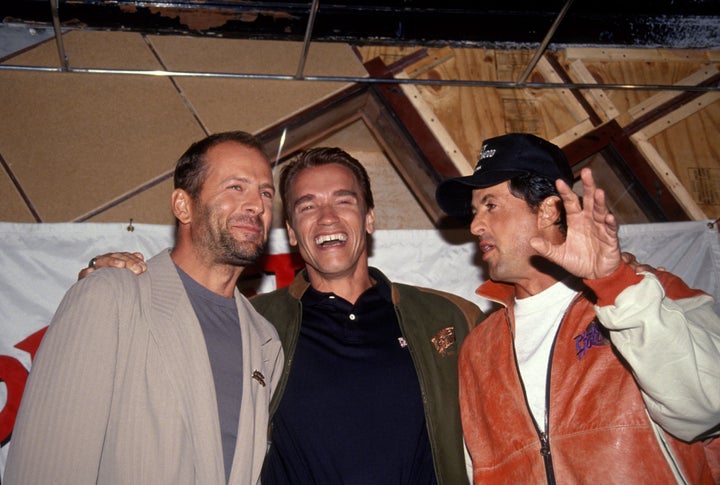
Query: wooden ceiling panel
93	138
252	104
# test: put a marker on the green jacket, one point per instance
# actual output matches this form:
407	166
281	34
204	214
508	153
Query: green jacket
434	324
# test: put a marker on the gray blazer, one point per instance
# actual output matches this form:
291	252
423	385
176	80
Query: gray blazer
121	390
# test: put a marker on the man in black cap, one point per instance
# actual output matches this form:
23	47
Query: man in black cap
591	372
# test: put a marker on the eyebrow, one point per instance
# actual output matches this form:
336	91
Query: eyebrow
245	180
337	193
268	186
344	192
486	197
231	179
303	199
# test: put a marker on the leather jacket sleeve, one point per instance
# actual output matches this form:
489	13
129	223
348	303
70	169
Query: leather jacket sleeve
669	335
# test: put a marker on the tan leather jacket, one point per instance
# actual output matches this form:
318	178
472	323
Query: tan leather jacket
599	429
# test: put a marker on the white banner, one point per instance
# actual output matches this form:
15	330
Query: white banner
40	262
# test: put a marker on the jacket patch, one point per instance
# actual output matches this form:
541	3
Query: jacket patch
593	336
444	341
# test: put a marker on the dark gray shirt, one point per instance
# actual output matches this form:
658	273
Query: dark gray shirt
219	321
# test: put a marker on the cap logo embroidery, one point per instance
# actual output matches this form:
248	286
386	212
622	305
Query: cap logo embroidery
485	152
444	341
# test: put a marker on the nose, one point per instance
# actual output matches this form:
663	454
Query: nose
254	203
327	214
477	225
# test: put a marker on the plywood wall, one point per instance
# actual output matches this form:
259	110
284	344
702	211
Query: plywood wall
678	132
101	147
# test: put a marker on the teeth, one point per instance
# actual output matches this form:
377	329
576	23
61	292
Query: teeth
485	247
330	237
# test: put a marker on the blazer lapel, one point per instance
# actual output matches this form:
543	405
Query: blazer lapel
181	344
257	375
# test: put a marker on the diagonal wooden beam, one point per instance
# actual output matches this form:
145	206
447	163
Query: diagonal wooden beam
656	199
396	101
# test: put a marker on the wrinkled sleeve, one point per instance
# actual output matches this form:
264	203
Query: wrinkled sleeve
58	436
669	335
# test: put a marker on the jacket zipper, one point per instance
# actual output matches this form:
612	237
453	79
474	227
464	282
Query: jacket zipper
543	436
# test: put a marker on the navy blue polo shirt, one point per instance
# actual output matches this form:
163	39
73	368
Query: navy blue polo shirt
352	411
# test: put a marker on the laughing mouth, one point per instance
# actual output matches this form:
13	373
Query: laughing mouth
330	239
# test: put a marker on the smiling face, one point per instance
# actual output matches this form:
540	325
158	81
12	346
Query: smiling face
329	222
231	215
504	225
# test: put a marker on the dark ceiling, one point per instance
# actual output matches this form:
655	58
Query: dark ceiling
486	23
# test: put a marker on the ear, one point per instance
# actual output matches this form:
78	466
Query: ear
181	206
291	234
370	221
549	212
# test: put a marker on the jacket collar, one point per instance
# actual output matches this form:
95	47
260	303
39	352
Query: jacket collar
502	293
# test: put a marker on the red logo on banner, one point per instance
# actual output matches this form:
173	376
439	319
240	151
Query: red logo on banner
14	375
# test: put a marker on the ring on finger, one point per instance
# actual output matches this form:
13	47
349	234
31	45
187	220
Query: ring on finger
93	263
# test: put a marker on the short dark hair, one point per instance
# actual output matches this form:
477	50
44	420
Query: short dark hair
533	189
191	169
316	157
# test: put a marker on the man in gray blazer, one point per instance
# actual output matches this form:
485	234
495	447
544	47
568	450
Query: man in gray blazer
164	378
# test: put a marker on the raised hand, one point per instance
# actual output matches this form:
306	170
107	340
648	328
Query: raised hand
135	262
591	249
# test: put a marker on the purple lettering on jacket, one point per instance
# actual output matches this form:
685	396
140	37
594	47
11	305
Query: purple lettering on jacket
593	336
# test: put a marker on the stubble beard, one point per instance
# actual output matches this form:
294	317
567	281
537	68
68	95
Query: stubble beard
224	248
238	253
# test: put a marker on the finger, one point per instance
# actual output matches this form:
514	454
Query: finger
570	199
628	258
600	209
84	272
590	188
135	262
611	225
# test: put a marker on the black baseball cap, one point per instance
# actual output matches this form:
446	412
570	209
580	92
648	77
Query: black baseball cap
502	158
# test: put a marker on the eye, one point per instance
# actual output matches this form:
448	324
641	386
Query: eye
490	206
346	201
306	208
268	194
237	187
